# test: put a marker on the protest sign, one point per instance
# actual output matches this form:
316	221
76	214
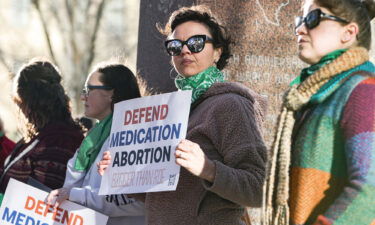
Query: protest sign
24	205
144	135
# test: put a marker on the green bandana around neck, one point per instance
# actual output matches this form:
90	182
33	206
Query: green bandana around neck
306	72
199	83
93	142
1	134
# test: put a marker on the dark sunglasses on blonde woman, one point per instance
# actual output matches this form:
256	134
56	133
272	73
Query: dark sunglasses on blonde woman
195	44
313	19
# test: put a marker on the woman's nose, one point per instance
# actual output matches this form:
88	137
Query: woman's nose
83	97
185	50
301	29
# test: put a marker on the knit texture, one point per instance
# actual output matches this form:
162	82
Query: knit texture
46	162
315	89
332	172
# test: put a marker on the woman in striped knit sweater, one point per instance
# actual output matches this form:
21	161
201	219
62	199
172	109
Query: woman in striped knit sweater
323	166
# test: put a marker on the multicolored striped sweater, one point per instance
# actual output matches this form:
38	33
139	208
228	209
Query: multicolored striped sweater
333	154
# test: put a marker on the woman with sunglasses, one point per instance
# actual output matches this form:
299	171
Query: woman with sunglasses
50	135
323	164
105	86
223	159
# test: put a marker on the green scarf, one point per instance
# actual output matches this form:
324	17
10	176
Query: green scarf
1	198
199	83
1	133
93	142
305	73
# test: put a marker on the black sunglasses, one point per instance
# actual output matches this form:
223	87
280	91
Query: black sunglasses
194	43
313	18
86	90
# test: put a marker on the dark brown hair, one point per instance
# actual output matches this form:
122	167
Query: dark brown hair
358	11
121	79
41	97
202	14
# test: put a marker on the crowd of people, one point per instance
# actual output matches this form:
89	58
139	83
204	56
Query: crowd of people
320	170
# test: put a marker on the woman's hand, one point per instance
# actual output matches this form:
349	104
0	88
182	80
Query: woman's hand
190	156
57	196
104	162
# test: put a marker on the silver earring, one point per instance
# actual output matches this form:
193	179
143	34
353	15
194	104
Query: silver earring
170	73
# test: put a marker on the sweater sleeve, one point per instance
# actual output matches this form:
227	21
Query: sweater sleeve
234	131
110	205
355	205
73	178
85	188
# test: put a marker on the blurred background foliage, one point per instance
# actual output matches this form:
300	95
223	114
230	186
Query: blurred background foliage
74	34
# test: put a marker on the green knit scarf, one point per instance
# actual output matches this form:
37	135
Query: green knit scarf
199	83
306	72
93	142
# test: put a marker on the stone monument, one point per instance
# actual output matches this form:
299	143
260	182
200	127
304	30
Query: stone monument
264	55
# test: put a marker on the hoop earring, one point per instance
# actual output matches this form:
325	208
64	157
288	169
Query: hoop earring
170	73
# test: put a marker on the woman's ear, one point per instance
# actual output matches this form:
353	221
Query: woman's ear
349	36
217	54
110	95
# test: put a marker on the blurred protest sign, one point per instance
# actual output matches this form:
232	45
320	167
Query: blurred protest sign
24	205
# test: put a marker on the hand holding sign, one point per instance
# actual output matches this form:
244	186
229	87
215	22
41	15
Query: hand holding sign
24	204
104	162
56	197
143	138
190	156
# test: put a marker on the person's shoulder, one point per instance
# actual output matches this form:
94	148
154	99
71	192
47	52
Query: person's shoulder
229	91
235	97
59	129
365	88
362	97
58	135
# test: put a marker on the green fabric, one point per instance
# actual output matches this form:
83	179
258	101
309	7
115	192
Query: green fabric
1	133
332	85
93	142
305	73
323	148
199	83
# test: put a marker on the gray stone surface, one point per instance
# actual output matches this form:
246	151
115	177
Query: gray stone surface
264	56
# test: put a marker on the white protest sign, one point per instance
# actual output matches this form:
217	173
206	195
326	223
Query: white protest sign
24	205
144	135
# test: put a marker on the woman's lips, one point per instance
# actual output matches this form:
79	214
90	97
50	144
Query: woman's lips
301	40
186	61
